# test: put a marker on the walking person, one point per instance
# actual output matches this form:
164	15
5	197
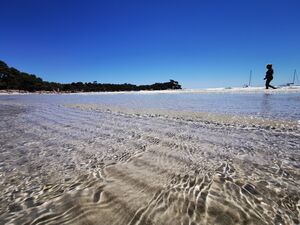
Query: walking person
269	76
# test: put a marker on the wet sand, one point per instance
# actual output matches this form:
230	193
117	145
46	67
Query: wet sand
91	164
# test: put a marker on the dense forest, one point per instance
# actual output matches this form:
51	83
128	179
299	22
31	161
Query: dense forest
13	79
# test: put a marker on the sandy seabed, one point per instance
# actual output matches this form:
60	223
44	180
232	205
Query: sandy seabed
93	164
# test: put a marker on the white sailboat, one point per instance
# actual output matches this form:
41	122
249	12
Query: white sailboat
249	83
295	81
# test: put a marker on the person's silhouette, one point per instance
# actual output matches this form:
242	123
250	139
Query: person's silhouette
269	76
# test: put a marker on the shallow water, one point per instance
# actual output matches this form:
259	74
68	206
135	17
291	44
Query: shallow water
280	106
121	159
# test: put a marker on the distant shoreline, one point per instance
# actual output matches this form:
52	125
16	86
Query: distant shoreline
289	89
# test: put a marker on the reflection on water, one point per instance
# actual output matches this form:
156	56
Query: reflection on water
266	107
65	162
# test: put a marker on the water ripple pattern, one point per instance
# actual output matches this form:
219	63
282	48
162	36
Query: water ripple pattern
92	164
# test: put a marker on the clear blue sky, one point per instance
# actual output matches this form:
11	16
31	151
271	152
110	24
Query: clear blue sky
201	43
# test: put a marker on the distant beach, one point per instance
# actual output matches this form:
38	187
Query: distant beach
286	89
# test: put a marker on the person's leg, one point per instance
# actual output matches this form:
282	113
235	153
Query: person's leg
267	84
272	86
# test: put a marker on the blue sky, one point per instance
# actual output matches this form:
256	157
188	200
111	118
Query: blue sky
211	43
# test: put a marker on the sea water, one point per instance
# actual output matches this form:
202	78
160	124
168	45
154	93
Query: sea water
276	105
154	158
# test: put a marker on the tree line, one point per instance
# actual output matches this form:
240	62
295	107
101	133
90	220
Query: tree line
13	79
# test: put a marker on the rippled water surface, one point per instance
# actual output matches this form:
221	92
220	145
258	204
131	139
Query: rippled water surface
150	159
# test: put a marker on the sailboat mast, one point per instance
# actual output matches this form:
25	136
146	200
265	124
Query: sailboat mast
250	78
294	77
